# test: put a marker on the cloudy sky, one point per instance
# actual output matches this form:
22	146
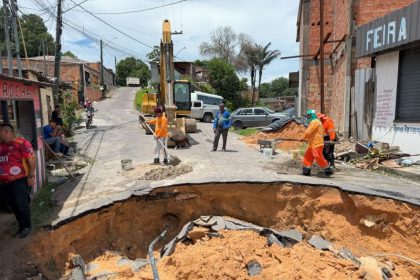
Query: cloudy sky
264	20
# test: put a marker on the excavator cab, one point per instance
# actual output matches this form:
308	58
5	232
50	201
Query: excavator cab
182	97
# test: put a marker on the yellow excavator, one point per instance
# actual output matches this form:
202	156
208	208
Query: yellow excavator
173	96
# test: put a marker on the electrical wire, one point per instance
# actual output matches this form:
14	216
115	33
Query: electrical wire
136	10
113	27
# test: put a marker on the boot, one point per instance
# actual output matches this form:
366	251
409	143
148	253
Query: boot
156	161
165	161
306	171
328	171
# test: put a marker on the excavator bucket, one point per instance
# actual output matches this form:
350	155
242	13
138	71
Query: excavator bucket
149	103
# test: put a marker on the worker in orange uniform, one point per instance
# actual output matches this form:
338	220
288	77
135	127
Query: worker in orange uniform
330	136
314	135
161	135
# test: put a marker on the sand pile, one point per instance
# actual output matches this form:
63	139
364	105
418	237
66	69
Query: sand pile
292	130
229	255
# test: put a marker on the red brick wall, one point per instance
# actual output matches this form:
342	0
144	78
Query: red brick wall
337	22
93	94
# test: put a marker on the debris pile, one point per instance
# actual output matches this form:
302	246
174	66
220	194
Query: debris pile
216	247
292	130
167	172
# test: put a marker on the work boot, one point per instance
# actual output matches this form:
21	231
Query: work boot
25	232
328	171
306	171
156	161
165	161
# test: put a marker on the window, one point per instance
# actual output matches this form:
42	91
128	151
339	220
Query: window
197	104
260	112
408	96
247	112
209	100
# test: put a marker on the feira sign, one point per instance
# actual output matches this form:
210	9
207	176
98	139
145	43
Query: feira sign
395	29
16	90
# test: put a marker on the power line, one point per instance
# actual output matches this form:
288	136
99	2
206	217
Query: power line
113	27
137	10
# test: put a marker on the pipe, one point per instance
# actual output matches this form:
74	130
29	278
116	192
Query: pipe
152	257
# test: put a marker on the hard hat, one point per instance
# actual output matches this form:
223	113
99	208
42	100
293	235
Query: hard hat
158	110
310	112
320	115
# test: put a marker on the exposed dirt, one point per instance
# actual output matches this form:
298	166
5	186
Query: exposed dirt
128	228
155	172
292	130
166	172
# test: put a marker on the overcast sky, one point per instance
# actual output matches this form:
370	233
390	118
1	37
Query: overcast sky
264	20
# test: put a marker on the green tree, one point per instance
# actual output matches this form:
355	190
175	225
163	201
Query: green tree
264	57
154	55
265	90
278	86
132	67
223	79
70	54
34	32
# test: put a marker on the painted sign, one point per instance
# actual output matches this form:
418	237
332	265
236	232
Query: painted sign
395	29
17	90
386	89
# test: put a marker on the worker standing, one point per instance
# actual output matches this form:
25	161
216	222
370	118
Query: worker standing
161	135
314	135
330	136
221	124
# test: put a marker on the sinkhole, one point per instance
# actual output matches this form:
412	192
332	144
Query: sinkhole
380	233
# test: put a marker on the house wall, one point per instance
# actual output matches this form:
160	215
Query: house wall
404	135
337	84
47	103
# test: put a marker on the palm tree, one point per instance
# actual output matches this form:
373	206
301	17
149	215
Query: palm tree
264	57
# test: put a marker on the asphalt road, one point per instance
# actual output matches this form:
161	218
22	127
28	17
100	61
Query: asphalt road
117	135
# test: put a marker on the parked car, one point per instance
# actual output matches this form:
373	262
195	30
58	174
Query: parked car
255	117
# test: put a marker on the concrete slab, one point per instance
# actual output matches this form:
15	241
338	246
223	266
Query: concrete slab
117	135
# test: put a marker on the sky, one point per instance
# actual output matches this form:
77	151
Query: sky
264	20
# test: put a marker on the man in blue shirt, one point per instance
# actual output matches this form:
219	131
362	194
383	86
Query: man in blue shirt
221	124
50	133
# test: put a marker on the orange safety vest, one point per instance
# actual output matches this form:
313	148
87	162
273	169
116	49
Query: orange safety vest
329	129
161	126
314	134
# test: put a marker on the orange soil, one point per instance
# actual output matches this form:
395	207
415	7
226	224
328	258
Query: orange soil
128	228
292	130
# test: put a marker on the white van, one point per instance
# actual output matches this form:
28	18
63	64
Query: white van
205	105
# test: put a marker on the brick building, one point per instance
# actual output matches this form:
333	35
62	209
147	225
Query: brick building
344	73
82	75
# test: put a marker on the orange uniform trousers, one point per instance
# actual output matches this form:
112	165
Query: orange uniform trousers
315	154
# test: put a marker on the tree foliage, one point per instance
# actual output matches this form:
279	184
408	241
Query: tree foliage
154	55
223	79
264	57
70	54
223	44
132	67
34	32
277	88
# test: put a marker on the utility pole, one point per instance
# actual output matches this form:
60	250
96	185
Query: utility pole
101	70
7	34
57	60
45	61
115	64
16	35
321	48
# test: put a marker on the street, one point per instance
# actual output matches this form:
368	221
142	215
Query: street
117	135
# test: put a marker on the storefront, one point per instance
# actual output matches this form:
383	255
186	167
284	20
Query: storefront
21	106
394	42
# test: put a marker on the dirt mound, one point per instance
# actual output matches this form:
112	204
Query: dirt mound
292	130
167	172
128	228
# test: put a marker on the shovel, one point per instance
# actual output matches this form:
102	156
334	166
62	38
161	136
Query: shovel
174	161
